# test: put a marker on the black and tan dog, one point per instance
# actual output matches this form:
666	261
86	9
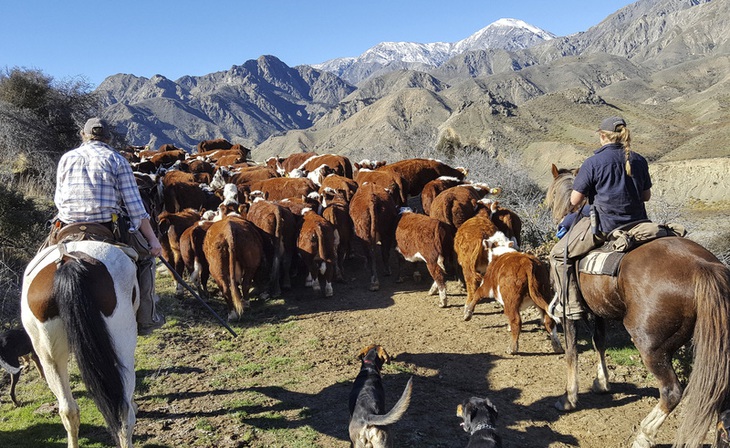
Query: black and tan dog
368	423
479	416
14	345
722	439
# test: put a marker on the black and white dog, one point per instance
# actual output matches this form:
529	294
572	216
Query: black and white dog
368	423
14	345
479	417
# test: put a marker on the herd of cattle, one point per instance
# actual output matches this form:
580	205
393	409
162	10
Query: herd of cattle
244	224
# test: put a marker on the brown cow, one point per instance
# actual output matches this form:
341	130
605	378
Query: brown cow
279	188
243	176
507	222
279	225
340	164
516	280
457	204
171	227
343	185
181	192
434	188
391	181
284	165
317	245
230	159
168	147
418	172
421	238
337	211
374	215
168	158
471	254
193	257
199	166
234	251
209	145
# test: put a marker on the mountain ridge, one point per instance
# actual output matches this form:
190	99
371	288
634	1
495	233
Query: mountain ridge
662	64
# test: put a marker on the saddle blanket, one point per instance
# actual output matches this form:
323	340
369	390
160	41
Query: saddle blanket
599	262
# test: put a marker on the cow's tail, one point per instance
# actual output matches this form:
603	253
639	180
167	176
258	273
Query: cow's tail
446	236
234	275
324	246
537	280
90	342
373	211
708	389
398	410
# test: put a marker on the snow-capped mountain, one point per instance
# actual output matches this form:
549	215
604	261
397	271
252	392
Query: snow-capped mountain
504	34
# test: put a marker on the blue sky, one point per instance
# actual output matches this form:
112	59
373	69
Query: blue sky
95	39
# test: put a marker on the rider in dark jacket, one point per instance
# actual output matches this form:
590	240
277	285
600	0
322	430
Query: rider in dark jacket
616	182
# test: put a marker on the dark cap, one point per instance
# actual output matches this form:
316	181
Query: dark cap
611	124
97	128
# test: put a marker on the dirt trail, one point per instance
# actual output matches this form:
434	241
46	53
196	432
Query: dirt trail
203	374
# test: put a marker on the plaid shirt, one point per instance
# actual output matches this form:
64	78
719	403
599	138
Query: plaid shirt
92	182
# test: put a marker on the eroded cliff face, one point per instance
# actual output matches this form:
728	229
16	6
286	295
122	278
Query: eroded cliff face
684	181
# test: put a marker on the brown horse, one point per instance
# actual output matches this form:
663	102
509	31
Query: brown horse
668	292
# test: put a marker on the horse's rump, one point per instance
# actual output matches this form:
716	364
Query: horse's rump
81	297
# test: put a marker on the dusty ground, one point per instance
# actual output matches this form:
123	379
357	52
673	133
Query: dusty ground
284	381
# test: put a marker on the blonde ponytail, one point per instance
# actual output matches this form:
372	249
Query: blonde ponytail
625	139
622	136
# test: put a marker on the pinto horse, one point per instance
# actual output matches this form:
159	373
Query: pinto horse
668	291
82	297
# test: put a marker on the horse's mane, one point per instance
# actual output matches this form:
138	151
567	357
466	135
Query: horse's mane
558	194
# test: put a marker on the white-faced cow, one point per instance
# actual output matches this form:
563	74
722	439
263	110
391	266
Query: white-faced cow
517	281
418	172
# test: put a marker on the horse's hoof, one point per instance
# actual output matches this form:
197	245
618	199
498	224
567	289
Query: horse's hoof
564	405
467	317
374	286
599	387
442	304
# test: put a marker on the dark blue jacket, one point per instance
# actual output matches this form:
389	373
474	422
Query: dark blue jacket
616	195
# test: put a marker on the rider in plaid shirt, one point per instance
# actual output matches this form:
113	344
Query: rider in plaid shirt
93	183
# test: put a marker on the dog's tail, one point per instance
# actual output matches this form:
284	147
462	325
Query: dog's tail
398	410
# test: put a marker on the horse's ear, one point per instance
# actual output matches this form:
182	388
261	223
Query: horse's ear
555	171
575	171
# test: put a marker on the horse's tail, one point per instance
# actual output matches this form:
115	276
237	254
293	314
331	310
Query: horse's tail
90	342
708	390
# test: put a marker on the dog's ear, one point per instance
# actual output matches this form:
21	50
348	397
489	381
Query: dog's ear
363	352
383	355
493	413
